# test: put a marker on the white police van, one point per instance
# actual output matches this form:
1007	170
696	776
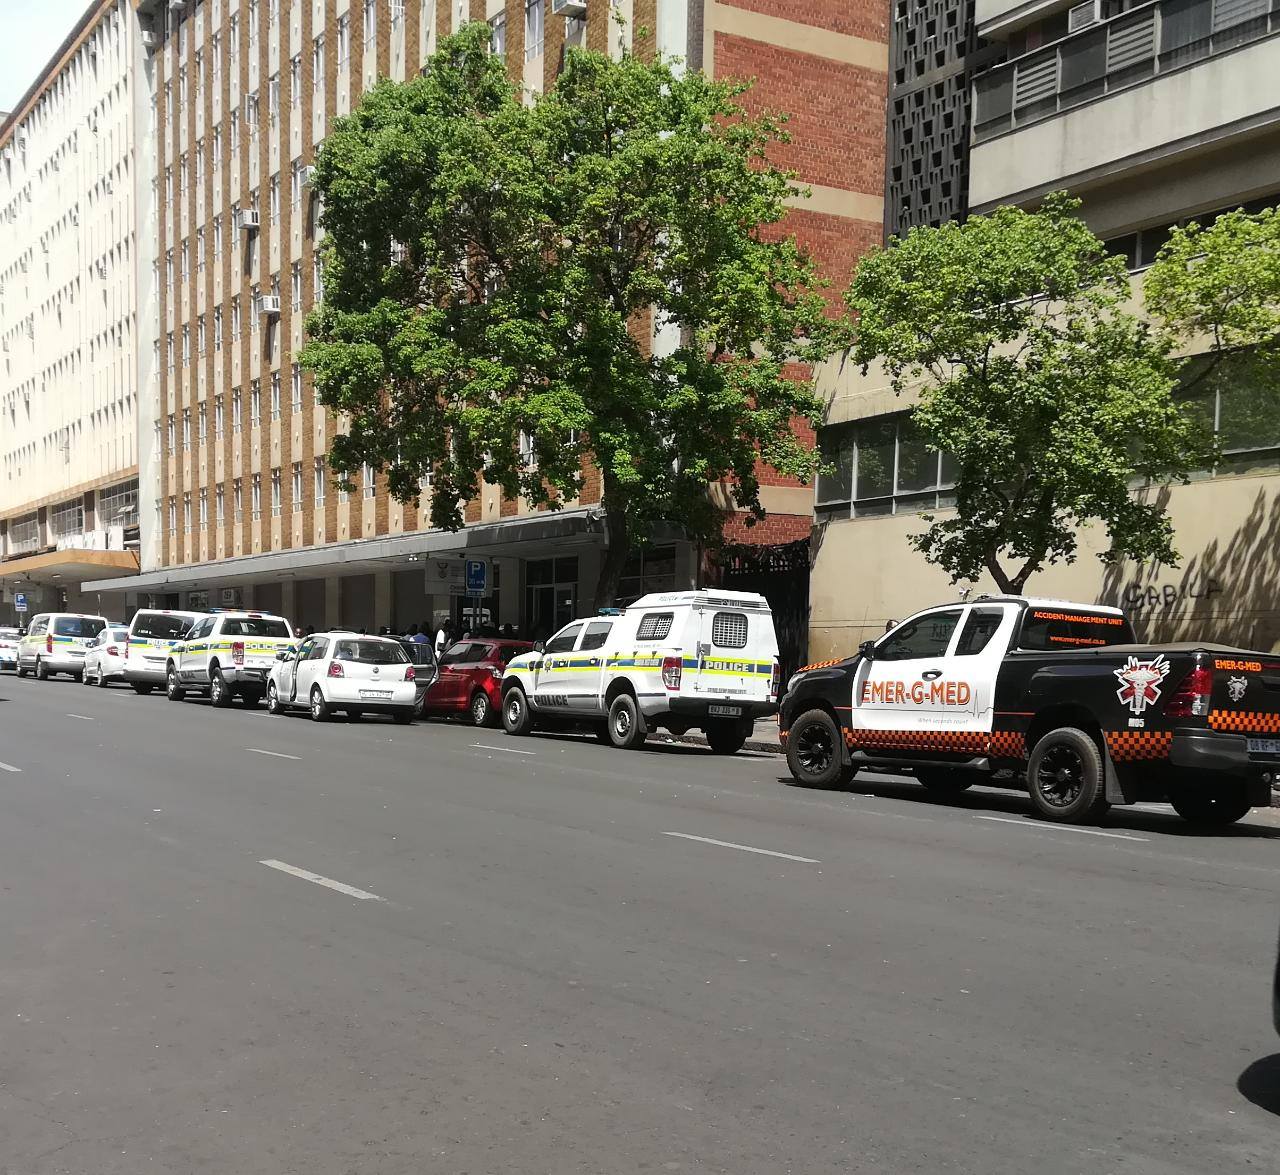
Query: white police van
153	633
673	661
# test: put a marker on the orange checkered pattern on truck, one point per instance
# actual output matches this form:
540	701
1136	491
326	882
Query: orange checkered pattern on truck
1128	746
1244	721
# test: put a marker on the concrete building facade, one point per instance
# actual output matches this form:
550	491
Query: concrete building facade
233	444
1151	113
76	266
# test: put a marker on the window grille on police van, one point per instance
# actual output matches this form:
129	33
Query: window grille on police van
729	630
654	626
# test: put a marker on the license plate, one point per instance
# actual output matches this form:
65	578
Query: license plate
725	711
1264	746
375	693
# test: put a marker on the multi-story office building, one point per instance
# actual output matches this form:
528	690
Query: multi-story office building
233	446
76	259
1151	113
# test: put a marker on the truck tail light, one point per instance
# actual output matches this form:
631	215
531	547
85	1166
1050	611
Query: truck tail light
237	652
48	643
672	668
113	651
335	669
409	674
775	686
1192	697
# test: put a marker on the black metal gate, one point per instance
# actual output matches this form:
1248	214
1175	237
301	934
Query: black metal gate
780	573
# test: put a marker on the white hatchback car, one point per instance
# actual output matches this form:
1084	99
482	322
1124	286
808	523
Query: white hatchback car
343	671
9	638
104	660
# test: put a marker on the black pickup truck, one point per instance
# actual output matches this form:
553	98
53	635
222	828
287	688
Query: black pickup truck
1048	695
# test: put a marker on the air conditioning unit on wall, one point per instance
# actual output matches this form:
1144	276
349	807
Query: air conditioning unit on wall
249	219
568	7
269	304
1081	16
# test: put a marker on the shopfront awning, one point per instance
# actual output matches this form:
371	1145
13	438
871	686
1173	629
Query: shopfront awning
531	536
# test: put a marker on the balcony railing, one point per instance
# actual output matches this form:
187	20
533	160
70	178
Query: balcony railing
1112	55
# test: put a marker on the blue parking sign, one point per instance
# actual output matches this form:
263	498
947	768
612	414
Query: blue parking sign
477	577
20	602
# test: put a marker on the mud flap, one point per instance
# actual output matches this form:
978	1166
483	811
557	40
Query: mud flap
1121	785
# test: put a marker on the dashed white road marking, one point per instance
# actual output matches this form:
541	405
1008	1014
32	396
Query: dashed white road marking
274	754
10	767
1063	828
509	750
350	890
82	717
728	844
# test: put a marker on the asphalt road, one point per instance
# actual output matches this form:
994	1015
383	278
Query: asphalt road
548	972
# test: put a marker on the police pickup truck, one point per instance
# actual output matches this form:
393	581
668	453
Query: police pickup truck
227	654
1049	695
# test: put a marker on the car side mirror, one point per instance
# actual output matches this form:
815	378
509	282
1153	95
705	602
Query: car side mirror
539	646
867	650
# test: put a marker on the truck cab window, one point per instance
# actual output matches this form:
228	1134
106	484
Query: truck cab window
925	636
978	630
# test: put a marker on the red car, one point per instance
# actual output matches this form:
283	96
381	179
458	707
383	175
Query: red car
470	680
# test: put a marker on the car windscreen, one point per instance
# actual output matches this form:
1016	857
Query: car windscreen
83	627
157	626
371	652
1050	628
255	626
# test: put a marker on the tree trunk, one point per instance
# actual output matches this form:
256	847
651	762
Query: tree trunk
618	534
998	574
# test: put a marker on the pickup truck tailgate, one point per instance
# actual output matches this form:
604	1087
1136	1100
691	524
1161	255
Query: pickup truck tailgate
1246	695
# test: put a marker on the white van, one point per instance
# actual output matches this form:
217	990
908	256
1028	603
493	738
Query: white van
152	633
56	642
672	660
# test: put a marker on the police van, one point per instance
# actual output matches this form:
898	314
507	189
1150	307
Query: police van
673	661
56	642
227	654
153	632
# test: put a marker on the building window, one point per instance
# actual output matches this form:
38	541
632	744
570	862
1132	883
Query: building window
275	493
202	423
186	346
215	51
273	98
199	158
168	268
233	133
275	395
295	386
233	45
295	284
370	20
251	109
168	185
217	328
255	404
881	466
498	38
217	237
219	505
344	39
237	498
273	11
186	428
318	473
204	509
67	518
235	317
273	197
185	254
297	486
172	428
317	62
200	250
186	513
295	80
237	409
295	183
533	20
200	334
1243	414
215	148
173	515
367	481
253	23
317	278
218	415
182	175
255	496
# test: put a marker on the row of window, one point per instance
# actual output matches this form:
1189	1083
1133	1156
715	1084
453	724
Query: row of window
882	466
237	411
319	482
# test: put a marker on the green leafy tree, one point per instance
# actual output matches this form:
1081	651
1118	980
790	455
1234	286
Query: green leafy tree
1216	287
493	271
1050	396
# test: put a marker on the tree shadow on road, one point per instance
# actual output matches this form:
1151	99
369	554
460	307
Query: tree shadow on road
1016	803
1260	1083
